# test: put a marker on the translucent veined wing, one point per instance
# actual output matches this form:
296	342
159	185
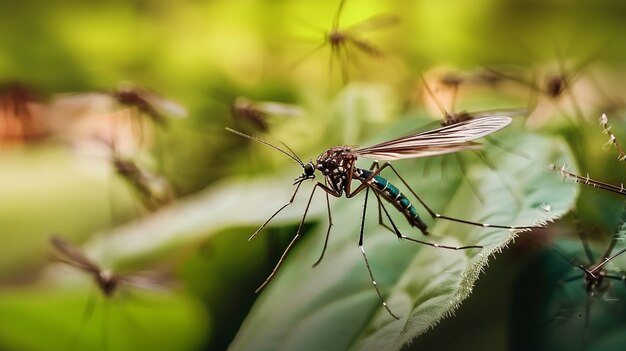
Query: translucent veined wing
155	281
444	140
71	255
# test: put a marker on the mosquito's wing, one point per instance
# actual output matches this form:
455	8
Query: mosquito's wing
373	23
509	112
444	140
152	280
71	255
164	105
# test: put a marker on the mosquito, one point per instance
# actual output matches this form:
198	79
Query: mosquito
107	282
338	167
450	118
257	112
556	84
153	190
20	114
596	278
340	40
128	111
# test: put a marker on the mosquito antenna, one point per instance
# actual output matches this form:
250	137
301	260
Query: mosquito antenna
293	153
268	144
432	96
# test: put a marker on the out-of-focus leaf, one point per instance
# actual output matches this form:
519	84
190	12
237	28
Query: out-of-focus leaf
54	319
334	306
198	217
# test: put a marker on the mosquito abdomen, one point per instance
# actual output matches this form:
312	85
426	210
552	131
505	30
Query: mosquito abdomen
394	196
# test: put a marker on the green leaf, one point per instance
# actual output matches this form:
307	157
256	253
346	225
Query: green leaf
334	307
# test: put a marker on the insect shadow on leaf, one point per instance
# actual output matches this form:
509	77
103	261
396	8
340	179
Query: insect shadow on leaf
338	167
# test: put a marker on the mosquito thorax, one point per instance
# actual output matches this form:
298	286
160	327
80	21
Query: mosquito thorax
107	282
335	37
555	85
596	282
335	161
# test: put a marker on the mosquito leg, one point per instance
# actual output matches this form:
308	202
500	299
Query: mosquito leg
330	224
367	264
298	234
483	157
432	213
583	240
275	213
343	62
506	148
87	313
619	232
132	321
586	322
105	325
569	301
461	164
402	236
381	208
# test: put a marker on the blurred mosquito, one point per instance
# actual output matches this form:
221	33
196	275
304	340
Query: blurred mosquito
20	114
450	118
130	111
153	190
338	167
555	84
340	40
107	282
149	103
257	112
596	277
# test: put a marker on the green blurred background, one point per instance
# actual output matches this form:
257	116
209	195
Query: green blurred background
203	54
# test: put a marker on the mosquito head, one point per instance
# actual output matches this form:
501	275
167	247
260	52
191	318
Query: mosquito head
107	281
308	172
335	37
555	85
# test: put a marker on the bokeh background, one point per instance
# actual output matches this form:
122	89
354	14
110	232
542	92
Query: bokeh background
203	55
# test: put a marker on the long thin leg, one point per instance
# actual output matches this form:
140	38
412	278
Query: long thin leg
506	148
461	164
565	307
330	224
367	264
87	313
105	325
298	234
586	322
275	213
401	236
583	240
433	214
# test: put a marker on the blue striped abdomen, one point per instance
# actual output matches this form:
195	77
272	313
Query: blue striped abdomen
394	196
